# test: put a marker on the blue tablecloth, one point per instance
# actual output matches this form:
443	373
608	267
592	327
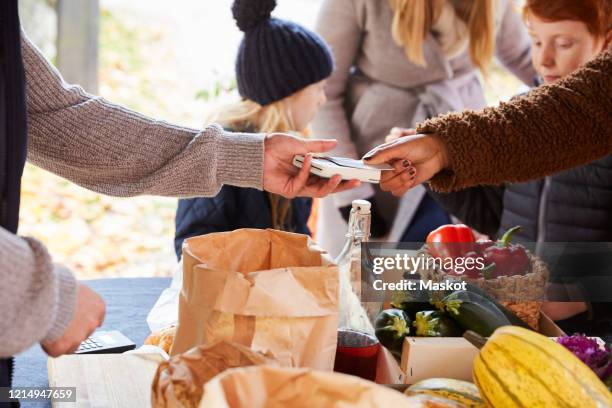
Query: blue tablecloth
128	301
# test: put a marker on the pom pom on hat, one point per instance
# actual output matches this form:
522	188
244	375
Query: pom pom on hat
250	13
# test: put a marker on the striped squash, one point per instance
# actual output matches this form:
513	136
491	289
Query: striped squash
463	392
521	368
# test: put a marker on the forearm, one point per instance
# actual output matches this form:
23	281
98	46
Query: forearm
554	127
38	297
112	150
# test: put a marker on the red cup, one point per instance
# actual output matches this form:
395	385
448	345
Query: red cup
357	354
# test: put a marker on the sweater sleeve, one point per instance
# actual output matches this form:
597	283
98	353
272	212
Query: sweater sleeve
554	127
112	150
513	46
38	297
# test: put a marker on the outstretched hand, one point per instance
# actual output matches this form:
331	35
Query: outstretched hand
415	157
283	178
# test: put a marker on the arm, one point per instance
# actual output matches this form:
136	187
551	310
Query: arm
479	207
112	150
554	127
38	297
513	46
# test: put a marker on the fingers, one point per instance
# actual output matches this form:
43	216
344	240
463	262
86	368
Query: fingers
320	187
385	153
319	145
346	185
302	177
405	179
402	178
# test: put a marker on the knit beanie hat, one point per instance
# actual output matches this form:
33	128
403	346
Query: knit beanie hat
276	57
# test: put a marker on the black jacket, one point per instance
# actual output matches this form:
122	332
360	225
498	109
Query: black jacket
13	133
571	206
233	208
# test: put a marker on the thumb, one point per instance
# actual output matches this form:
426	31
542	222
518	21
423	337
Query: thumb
319	145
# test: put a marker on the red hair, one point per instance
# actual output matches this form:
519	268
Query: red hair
596	14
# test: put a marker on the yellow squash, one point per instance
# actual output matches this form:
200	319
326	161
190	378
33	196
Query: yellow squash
521	368
462	392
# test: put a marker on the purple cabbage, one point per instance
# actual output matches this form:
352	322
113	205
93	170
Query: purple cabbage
590	353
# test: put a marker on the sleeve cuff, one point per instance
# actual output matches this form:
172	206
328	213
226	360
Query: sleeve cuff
66	295
240	159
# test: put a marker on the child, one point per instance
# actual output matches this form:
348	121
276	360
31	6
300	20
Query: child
571	206
281	69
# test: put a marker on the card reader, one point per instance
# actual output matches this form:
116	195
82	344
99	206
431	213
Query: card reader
105	342
349	169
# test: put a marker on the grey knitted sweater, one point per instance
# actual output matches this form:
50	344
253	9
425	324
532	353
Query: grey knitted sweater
111	150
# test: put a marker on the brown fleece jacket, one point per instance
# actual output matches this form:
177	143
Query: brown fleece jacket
554	127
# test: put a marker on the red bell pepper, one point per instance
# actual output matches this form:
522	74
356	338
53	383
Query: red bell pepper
509	259
450	241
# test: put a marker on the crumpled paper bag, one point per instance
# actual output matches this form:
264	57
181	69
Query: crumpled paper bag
281	387
179	382
265	289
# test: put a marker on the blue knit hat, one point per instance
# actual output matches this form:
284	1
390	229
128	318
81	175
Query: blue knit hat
276	57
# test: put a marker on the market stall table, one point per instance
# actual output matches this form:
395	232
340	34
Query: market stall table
128	301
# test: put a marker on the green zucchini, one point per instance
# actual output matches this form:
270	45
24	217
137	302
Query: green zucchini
411	302
473	312
391	327
433	323
514	319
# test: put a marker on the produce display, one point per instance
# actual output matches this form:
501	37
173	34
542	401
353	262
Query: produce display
511	366
506	271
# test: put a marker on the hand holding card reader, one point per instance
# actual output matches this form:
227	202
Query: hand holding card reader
349	169
105	342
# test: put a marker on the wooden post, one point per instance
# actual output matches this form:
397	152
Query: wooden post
77	42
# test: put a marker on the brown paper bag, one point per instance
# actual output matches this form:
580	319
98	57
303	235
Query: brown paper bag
276	387
269	290
179	382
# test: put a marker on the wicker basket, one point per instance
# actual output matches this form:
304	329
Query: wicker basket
522	294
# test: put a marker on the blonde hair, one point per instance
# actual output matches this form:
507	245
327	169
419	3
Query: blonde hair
248	115
413	19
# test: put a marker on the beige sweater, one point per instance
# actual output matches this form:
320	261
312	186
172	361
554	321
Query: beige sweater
111	150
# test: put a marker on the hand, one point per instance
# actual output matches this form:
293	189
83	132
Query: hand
416	159
397	132
563	310
282	177
88	315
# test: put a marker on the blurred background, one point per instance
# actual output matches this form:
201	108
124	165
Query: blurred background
172	60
